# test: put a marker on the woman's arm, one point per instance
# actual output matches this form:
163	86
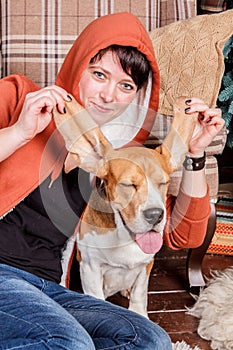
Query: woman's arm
187	215
209	124
35	116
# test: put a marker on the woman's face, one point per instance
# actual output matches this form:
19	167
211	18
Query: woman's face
105	89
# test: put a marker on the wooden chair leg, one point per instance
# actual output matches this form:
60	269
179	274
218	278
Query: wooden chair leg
196	255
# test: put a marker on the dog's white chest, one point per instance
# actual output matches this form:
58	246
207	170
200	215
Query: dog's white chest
114	259
114	249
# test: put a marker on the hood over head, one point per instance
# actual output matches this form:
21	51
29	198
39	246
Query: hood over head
122	29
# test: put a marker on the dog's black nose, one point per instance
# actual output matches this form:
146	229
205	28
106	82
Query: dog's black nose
153	215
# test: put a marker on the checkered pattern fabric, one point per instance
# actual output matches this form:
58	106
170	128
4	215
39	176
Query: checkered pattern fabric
36	35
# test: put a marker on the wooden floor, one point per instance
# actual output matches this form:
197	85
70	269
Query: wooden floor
168	296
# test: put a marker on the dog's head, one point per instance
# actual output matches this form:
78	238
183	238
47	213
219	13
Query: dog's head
135	180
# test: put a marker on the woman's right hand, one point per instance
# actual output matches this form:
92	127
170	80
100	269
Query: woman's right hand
35	116
37	110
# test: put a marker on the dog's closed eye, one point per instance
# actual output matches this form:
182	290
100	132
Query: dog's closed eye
127	185
164	184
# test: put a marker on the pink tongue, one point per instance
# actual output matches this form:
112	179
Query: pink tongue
149	242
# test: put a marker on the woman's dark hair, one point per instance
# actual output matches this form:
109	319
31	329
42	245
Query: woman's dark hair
133	62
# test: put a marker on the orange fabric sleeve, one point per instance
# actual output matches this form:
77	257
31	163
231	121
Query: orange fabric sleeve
13	90
187	219
29	165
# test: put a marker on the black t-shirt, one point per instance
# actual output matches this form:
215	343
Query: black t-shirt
34	233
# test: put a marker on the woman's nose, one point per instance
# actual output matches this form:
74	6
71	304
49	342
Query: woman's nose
108	93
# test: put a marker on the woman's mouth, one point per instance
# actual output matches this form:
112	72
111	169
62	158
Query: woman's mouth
101	108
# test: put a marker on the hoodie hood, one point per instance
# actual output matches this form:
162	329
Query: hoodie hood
116	29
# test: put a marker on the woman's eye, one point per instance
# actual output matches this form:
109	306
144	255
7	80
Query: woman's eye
99	75
127	86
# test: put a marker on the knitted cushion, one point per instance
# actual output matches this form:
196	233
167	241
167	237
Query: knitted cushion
190	58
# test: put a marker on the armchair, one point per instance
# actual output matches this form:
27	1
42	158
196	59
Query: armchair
35	37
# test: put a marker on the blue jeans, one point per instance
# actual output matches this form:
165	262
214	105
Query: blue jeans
37	314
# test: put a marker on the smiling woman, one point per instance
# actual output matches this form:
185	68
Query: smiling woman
110	83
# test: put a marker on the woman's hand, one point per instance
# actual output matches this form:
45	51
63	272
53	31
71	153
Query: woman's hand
209	124
35	116
37	110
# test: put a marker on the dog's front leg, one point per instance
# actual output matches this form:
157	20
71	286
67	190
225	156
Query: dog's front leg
92	279
138	293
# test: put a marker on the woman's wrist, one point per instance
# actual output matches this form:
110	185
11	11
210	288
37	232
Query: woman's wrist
18	135
196	153
12	138
194	163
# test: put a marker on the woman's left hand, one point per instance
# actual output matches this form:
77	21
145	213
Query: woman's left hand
209	123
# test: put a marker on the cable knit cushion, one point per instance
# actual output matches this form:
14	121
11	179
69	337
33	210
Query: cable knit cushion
189	55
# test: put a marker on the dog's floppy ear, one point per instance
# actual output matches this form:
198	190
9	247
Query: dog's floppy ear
176	143
86	144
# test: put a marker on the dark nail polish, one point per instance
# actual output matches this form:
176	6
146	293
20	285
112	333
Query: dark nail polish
202	118
188	101
69	97
187	109
64	109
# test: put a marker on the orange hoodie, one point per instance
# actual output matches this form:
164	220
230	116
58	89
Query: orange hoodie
24	170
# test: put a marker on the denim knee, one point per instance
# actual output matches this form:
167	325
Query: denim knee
71	337
68	342
153	336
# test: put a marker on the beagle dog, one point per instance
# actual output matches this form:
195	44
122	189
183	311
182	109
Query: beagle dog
122	225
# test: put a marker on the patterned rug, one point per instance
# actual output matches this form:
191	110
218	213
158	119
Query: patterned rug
222	242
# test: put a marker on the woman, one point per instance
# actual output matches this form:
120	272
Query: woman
111	70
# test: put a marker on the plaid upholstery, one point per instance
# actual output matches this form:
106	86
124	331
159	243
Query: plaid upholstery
36	35
210	6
